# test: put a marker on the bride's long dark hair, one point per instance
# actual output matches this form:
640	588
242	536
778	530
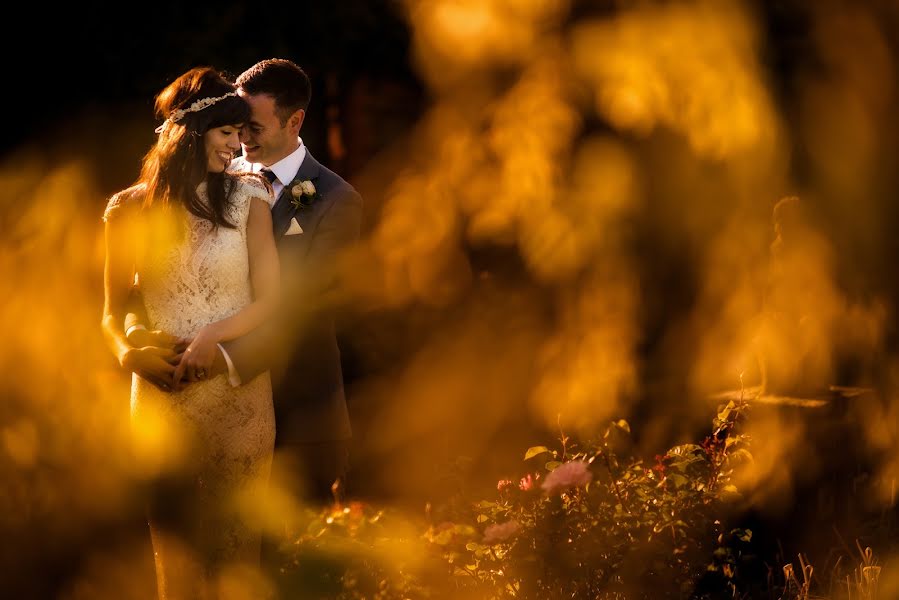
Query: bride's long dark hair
177	163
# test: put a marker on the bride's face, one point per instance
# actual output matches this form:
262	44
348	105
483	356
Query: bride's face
221	145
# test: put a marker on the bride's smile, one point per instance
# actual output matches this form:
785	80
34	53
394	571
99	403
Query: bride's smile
221	145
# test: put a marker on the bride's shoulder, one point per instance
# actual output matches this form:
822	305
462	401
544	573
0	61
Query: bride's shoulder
254	185
125	202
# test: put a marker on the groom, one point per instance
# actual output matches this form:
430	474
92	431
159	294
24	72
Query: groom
316	214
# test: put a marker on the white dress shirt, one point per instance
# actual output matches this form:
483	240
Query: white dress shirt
286	168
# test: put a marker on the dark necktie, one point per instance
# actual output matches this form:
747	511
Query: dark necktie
269	174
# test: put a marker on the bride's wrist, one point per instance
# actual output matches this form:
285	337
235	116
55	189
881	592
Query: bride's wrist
214	332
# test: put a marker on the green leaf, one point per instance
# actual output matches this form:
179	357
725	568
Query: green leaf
745	536
552	465
685	450
622	424
444	537
535	451
741	454
482	518
679	481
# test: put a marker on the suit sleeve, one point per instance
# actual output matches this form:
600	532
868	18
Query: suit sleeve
307	290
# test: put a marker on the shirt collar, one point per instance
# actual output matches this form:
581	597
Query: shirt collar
286	168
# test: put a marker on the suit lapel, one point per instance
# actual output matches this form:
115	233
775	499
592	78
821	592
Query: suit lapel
284	209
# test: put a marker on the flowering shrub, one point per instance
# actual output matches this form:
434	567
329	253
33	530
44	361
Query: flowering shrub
584	522
602	525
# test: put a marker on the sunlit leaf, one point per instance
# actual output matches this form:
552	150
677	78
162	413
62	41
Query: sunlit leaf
534	451
744	535
741	454
685	450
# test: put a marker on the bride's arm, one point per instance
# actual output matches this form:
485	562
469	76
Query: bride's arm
263	256
265	278
151	363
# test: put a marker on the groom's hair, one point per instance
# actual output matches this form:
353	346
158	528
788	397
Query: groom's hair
282	79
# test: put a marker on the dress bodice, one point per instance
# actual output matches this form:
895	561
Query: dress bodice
202	275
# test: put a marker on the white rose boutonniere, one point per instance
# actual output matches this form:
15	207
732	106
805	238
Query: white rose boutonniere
303	192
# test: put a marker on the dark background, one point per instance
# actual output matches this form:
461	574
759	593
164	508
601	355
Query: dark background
76	63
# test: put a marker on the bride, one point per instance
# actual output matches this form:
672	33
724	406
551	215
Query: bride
199	242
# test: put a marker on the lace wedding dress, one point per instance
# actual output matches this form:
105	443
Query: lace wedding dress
226	433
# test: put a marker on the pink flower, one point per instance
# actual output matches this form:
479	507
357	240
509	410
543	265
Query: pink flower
503	484
526	483
500	532
571	474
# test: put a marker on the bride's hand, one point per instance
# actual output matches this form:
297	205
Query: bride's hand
197	360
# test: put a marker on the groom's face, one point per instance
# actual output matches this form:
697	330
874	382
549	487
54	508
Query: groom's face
265	139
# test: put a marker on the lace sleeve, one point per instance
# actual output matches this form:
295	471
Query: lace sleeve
121	203
258	187
113	208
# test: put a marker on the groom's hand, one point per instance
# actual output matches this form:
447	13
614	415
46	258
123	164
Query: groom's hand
154	364
156	337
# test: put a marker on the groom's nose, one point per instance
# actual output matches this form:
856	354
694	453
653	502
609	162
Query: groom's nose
244	134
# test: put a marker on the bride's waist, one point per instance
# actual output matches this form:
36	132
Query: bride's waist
186	323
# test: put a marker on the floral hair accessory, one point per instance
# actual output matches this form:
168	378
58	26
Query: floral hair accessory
178	114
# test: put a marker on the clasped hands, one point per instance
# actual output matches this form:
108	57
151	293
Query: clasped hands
171	363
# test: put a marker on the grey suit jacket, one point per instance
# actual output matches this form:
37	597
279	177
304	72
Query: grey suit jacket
299	346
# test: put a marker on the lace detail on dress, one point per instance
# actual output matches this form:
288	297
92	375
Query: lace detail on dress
126	199
205	277
112	207
259	187
202	278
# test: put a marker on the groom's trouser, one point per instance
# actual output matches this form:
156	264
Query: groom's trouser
309	471
306	472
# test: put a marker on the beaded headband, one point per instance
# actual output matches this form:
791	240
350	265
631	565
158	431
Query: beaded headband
178	114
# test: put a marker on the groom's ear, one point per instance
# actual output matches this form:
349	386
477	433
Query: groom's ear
296	119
